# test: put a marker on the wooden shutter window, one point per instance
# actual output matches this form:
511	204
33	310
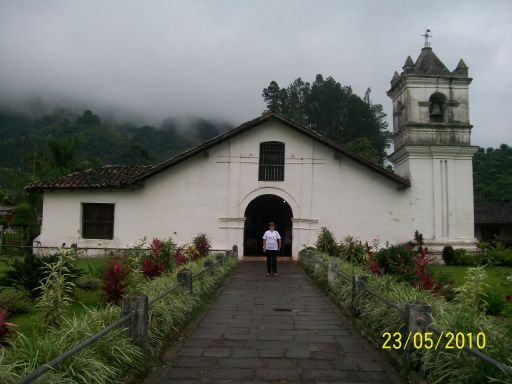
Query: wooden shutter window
97	221
271	161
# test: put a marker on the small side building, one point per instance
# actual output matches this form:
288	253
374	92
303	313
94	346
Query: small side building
494	221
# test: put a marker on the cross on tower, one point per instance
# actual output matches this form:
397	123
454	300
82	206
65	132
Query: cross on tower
427	35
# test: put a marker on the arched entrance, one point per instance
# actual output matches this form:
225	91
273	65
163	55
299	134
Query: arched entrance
258	214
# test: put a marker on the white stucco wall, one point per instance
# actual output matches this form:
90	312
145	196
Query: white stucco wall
210	192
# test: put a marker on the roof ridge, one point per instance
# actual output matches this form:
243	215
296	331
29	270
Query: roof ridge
146	171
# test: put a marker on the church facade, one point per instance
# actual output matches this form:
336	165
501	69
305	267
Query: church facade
272	169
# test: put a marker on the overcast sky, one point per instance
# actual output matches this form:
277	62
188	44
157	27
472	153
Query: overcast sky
213	58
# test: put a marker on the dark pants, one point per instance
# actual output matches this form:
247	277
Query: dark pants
271	261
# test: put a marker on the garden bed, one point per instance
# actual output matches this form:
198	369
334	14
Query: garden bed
400	274
114	355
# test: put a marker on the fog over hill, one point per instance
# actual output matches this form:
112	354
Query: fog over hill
146	61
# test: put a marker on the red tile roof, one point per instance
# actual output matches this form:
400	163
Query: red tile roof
107	177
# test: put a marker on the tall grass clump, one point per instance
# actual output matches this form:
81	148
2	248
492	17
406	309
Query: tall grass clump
56	291
102	362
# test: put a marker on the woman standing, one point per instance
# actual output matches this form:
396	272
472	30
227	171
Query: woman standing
271	246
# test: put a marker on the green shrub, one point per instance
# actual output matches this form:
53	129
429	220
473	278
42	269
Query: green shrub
495	253
29	273
327	243
495	303
465	259
396	259
353	250
500	255
448	255
22	214
88	283
15	302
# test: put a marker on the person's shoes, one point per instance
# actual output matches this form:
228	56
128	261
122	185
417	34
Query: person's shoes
275	274
268	274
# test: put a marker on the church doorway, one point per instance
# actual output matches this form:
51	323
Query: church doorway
258	214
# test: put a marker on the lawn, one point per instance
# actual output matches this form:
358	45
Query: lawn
496	279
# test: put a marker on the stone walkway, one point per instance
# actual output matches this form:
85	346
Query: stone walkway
263	329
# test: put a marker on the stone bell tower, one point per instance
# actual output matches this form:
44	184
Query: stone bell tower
431	137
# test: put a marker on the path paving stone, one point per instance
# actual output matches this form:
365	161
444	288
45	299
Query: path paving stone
280	329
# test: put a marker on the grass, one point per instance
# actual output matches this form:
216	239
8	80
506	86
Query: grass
455	275
496	279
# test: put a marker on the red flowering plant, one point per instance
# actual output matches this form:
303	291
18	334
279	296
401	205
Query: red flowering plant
407	261
114	281
180	256
424	279
152	266
394	260
508	287
202	244
5	327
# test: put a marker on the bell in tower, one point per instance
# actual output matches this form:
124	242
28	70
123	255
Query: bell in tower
437	105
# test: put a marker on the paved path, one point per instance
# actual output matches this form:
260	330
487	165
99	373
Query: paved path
263	329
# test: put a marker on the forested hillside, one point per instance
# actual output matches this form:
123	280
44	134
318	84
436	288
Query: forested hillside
64	141
492	174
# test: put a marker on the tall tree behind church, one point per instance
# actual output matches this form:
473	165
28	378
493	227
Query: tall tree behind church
334	111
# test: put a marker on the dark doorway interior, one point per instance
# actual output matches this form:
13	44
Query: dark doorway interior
259	213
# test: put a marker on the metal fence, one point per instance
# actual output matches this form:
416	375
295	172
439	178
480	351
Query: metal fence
17	235
76	251
417	315
136	314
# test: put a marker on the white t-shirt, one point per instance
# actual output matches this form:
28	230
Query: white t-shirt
271	238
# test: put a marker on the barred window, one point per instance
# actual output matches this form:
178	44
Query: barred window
97	221
271	161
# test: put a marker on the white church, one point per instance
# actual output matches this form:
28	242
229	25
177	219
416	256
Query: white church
272	169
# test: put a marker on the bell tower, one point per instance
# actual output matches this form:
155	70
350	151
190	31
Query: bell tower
431	138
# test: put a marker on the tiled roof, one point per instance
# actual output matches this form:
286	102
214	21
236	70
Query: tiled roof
429	64
109	176
493	213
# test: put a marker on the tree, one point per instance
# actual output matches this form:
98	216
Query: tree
137	154
363	147
492	175
334	111
88	118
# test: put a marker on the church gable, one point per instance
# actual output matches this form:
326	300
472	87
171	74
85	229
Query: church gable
117	177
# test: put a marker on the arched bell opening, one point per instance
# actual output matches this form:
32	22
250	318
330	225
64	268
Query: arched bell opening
437	108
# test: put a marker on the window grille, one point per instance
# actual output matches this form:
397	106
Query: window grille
97	221
271	161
